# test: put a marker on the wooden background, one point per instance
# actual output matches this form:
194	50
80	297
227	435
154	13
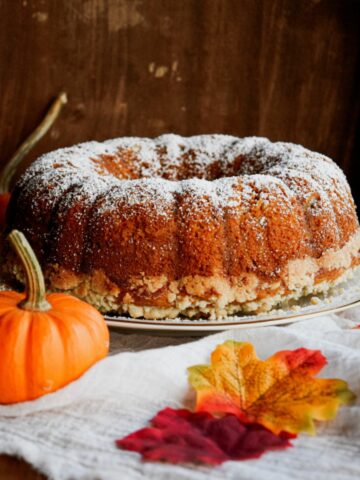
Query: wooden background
286	69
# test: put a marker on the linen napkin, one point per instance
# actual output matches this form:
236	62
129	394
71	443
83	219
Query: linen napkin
70	434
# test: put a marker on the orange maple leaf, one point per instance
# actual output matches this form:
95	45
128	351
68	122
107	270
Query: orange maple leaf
280	393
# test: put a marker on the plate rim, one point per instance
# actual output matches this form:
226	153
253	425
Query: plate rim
217	326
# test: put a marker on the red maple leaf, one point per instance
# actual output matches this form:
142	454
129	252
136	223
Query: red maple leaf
181	436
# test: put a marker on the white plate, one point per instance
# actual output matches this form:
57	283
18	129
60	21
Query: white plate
342	297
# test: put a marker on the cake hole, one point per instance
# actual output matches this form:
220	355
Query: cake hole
129	164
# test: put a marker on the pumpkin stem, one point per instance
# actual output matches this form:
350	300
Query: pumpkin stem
11	167
35	286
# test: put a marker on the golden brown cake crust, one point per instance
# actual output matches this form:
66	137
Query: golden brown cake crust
139	217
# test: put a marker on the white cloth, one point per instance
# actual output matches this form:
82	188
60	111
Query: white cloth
70	434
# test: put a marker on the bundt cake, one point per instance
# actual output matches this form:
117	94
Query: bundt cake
205	226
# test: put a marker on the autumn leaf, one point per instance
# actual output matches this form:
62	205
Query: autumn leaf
280	393
181	436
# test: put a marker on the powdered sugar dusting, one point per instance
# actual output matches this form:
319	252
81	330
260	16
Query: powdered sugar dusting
211	167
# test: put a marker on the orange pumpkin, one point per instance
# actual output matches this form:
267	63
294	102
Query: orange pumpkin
45	341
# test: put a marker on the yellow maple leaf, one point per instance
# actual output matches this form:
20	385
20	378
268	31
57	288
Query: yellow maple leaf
280	393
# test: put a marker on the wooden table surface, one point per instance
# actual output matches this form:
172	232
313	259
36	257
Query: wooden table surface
14	469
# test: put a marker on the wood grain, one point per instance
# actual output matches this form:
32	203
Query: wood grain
286	69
